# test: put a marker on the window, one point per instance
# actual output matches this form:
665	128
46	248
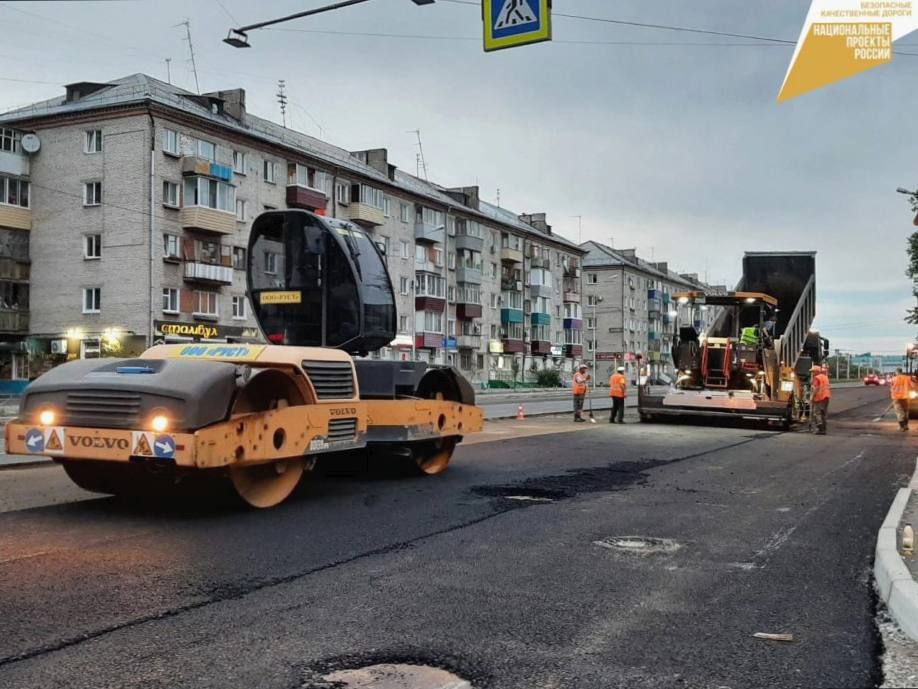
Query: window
451	260
240	210
493	331
431	217
591	300
342	194
403	324
207	149
429	285
591	324
468	294
239	258
170	194
92	246
304	176
205	303
207	252
405	248
210	193
170	246
14	192
420	254
493	300
572	311
431	322
403	212
170	300
589	345
92	141
451	293
92	193
92	299
403	285
239	308
270	263
9	140
493	270
239	162
592	278
512	300
558	310
438	257
515	331
170	142
270	171
387	206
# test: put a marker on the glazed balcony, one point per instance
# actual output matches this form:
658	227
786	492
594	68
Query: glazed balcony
467	241
514	346
14	321
469	275
207	219
15	217
432	234
209	273
541	347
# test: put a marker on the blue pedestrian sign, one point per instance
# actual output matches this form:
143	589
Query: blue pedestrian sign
164	447
509	23
35	440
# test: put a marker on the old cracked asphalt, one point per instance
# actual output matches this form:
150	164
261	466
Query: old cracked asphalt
775	533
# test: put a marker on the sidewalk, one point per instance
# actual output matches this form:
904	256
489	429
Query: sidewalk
896	571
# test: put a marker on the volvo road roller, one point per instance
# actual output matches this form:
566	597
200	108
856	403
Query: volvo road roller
257	416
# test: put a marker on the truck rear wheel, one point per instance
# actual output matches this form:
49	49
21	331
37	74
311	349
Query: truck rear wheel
432	457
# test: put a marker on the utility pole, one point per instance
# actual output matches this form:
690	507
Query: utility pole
422	164
282	99
194	67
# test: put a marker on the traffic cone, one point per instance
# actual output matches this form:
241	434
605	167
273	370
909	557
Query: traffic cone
519	413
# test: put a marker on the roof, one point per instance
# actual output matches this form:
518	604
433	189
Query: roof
141	88
600	256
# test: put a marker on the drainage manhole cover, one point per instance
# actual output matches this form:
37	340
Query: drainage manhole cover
639	545
396	676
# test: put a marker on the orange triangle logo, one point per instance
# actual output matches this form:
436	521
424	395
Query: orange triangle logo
143	446
54	442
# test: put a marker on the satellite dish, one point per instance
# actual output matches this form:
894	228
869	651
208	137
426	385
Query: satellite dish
30	143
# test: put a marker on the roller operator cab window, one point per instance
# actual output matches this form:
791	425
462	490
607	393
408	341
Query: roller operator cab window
317	285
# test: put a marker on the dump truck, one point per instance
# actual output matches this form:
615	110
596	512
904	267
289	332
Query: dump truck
754	361
256	417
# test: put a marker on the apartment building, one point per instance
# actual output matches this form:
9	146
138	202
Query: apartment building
127	223
630	309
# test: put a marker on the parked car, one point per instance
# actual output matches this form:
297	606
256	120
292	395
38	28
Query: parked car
872	379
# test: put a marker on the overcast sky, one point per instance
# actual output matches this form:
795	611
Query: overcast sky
680	151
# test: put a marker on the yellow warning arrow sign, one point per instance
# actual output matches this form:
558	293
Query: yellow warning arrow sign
143	445
54	443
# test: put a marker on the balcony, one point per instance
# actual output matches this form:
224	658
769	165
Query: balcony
469	275
470	243
509	255
428	340
306	197
654	294
540	262
541	291
572	297
573	324
429	302
511	316
573	351
208	272
572	271
654	336
468	341
15	217
514	346
540	319
541	347
12	270
433	234
14	164
207	219
468	312
365	214
654	308
193	165
511	285
14	321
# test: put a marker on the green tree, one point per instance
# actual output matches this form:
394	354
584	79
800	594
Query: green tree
911	316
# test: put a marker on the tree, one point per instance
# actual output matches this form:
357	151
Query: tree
911	316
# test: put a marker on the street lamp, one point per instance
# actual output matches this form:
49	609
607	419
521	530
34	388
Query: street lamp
238	38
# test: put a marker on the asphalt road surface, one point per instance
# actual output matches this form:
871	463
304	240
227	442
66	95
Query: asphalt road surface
759	531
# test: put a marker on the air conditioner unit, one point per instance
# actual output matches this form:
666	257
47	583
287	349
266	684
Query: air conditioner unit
58	346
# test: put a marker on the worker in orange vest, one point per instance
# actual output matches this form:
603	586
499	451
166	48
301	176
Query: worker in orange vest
617	391
581	378
899	391
820	393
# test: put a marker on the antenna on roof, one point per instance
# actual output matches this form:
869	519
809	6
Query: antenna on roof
422	164
282	99
168	70
498	197
194	67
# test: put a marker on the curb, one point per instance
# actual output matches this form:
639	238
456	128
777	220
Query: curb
894	581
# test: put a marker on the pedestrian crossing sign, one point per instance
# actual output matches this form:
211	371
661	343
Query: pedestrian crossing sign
509	23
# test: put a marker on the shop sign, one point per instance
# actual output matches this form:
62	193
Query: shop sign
202	331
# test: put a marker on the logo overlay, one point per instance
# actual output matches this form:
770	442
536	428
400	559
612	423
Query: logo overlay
841	38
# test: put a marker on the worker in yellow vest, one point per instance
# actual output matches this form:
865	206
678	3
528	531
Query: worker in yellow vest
899	391
579	388
618	392
820	392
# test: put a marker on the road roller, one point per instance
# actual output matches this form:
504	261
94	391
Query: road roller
254	417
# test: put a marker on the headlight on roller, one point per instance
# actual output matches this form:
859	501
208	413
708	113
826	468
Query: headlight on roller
912	394
46	417
159	423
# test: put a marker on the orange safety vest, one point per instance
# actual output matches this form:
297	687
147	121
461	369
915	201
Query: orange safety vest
900	387
821	390
580	383
617	385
